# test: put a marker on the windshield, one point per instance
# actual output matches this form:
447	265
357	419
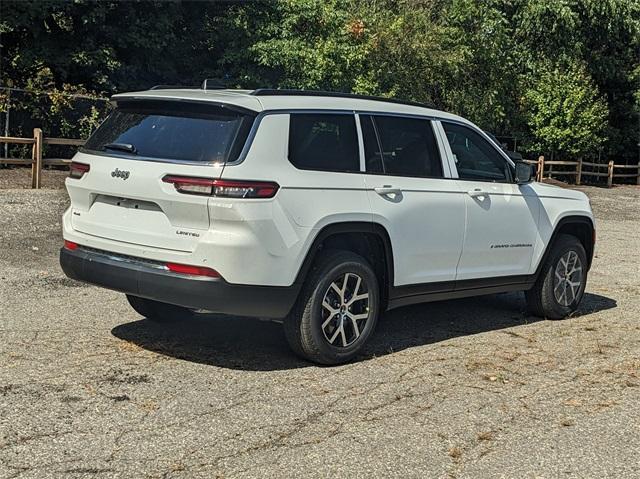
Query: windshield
172	131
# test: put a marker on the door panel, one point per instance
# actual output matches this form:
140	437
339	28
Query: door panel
501	230
502	217
425	221
423	212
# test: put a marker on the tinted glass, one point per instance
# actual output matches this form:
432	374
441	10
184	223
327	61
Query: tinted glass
176	131
475	157
326	142
372	156
409	148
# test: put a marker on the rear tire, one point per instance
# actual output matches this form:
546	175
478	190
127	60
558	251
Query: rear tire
158	311
337	309
559	289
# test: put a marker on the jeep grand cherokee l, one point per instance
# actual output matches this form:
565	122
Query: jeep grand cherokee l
322	209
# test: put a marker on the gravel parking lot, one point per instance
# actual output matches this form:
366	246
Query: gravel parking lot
466	388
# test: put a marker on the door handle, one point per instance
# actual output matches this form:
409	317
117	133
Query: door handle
477	192
387	190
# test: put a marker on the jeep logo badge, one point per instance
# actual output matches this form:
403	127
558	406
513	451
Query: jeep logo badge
120	174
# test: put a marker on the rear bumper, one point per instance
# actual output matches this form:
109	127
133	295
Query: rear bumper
150	280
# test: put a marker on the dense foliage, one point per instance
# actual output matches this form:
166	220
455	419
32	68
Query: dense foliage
561	75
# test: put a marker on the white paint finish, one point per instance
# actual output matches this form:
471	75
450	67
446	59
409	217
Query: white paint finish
501	229
556	203
161	212
278	233
255	244
438	231
501	216
425	222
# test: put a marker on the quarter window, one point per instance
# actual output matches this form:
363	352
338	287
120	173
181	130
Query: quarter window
326	142
475	158
401	146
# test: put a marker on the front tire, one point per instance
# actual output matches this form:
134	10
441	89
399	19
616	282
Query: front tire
560	286
158	311
337	309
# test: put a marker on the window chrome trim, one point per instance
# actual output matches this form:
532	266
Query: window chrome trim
360	144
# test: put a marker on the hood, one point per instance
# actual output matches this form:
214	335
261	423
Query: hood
553	191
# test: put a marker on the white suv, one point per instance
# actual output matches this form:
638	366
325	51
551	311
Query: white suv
322	209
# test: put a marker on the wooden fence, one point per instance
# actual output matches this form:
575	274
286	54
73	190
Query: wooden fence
608	170
37	161
544	167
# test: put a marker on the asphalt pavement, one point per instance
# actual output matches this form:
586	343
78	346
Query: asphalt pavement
470	388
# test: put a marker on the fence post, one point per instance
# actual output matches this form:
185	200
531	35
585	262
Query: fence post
579	172
540	171
610	174
36	158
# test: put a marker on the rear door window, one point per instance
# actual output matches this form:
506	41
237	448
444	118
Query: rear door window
172	131
400	146
324	141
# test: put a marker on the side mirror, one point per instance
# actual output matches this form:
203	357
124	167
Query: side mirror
524	172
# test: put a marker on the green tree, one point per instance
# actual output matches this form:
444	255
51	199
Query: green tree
602	35
484	87
565	112
477	59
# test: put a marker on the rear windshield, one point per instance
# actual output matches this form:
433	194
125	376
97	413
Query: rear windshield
172	131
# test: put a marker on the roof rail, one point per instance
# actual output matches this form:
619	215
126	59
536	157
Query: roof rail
334	94
173	87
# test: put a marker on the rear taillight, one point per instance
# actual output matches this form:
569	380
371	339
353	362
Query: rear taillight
222	188
70	245
77	170
192	270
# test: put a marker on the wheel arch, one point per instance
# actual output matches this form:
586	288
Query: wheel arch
365	238
580	226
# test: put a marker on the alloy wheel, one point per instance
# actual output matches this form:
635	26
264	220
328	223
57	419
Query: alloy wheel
345	310
568	278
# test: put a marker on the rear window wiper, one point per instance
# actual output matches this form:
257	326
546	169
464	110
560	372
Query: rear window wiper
128	147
